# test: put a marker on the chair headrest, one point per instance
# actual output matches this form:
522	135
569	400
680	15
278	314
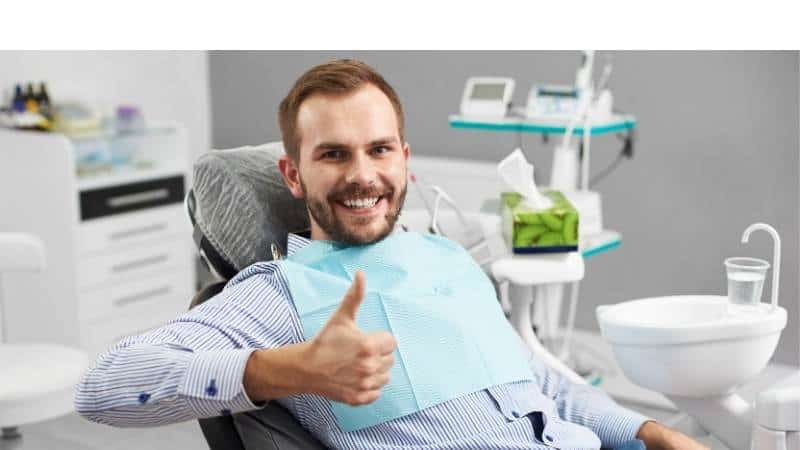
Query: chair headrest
242	205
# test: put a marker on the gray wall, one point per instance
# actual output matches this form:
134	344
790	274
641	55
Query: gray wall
717	149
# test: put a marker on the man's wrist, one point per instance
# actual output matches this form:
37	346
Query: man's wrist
275	373
659	437
653	434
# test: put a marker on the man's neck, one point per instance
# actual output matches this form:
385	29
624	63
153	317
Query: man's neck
317	233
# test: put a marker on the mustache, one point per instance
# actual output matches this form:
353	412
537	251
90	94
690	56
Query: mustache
359	191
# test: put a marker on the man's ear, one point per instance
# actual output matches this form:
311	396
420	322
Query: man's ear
406	151
291	176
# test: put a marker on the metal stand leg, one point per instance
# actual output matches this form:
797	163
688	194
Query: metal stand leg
547	313
10	433
522	298
567	337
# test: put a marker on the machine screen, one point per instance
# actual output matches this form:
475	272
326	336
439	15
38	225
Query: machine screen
488	91
572	93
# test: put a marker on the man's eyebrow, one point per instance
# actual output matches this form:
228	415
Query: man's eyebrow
383	141
330	146
340	146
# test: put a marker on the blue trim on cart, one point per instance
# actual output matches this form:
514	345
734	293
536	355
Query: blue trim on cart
627	124
601	249
568	248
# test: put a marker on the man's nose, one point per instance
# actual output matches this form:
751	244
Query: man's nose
362	171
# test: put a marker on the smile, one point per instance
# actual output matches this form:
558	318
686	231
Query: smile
361	203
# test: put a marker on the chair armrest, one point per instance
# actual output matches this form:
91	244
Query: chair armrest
21	252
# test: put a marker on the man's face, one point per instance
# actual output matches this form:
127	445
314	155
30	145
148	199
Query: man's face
352	165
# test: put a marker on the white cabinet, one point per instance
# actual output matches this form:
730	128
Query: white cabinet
118	241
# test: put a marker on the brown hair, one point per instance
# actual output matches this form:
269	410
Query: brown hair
338	77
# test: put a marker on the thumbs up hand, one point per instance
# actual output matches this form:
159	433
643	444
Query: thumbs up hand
344	363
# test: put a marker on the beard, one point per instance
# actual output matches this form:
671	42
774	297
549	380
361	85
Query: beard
353	234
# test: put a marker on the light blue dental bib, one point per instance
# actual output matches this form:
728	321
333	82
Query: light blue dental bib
452	337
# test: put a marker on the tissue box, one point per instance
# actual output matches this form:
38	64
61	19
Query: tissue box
528	230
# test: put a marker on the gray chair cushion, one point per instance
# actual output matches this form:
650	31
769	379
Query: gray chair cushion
273	427
243	205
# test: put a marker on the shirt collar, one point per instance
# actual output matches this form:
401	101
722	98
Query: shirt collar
296	242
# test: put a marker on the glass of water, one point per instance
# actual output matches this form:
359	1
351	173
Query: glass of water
745	280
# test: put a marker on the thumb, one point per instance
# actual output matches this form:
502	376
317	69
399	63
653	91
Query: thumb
352	298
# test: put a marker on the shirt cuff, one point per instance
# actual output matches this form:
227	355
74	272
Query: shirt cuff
617	427
214	383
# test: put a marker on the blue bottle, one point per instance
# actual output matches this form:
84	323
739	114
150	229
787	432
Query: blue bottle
18	104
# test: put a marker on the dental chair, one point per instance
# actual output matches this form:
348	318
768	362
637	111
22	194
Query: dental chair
242	212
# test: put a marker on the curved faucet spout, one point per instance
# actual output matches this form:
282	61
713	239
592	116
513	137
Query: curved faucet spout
776	255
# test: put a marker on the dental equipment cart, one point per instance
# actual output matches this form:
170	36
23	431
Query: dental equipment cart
109	209
539	279
536	283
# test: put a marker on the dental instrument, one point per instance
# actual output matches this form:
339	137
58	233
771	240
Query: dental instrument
552	100
468	230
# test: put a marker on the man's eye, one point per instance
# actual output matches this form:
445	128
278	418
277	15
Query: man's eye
380	150
333	154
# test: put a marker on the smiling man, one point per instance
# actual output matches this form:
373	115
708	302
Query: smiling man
352	174
373	338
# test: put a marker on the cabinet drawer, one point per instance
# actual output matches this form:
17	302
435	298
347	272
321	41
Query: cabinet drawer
132	229
108	201
99	335
139	297
151	260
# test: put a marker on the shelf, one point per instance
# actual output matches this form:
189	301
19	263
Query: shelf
616	124
601	242
589	246
126	174
114	135
105	158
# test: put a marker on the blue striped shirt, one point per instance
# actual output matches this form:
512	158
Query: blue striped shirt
193	367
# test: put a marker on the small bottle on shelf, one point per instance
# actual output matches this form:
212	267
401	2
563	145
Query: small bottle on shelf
31	105
43	98
18	104
129	119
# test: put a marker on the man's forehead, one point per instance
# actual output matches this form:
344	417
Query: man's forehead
365	114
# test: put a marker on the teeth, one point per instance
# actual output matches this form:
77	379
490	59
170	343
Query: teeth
361	202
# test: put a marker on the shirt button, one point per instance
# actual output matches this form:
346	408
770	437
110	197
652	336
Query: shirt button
211	390
515	414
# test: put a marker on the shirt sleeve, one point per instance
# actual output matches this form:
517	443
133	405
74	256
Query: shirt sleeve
192	367
588	406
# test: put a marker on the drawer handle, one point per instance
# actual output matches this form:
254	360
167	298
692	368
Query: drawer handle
139	197
117	235
142	296
139	263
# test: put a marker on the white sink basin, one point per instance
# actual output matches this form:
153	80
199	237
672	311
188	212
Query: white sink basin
690	346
